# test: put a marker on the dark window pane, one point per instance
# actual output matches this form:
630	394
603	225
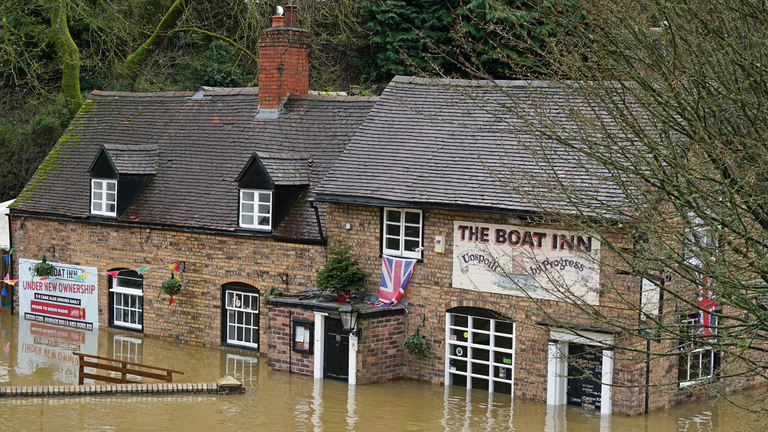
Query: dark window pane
392	243
393	230
393	216
412	217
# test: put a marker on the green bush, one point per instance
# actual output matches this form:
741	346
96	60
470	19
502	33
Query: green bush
340	272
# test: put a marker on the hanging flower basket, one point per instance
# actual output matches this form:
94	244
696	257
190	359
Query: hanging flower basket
171	286
416	344
44	268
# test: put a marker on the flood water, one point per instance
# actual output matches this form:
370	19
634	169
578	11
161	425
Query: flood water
36	354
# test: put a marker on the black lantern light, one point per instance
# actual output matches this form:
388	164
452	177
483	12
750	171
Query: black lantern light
348	314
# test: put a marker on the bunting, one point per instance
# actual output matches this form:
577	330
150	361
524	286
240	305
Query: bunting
5	293
10	252
8	280
706	300
7	257
171	301
141	270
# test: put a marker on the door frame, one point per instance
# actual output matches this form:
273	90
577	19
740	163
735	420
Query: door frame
557	364
320	326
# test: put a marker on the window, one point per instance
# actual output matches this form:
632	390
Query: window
104	197
481	353
255	209
697	360
402	233
241	317
127	300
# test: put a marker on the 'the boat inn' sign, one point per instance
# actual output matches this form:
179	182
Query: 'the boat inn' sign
524	261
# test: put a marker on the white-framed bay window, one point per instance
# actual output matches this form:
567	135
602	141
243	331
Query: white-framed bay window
255	208
127	300
104	197
402	232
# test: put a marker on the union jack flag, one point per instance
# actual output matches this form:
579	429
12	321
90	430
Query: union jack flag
706	298
395	275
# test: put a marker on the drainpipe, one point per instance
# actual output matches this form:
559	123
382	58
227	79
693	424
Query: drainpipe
10	259
290	341
647	373
317	217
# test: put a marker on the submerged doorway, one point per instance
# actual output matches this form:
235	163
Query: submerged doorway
585	374
336	355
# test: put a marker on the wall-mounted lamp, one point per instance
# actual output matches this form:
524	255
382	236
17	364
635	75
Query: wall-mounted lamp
348	314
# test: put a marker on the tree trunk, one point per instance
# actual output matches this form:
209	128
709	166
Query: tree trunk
133	61
69	56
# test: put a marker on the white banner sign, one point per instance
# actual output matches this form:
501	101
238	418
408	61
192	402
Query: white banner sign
70	298
524	261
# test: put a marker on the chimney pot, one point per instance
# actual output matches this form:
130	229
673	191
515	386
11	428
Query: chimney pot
290	16
278	21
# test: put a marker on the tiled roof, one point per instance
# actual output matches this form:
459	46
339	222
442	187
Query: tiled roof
203	144
287	169
133	159
452	144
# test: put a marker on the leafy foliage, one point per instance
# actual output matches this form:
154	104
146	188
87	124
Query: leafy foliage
171	286
44	268
340	272
497	38
27	134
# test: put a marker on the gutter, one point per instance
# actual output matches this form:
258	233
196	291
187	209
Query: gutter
317	217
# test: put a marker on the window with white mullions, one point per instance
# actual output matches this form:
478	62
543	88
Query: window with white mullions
697	360
402	233
480	353
255	209
104	197
242	318
128	301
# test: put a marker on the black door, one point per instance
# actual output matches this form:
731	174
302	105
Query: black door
585	372
336	360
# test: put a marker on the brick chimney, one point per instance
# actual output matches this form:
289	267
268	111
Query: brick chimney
283	63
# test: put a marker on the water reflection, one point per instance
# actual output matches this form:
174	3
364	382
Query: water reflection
278	401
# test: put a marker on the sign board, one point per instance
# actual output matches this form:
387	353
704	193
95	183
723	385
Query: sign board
70	298
525	261
47	346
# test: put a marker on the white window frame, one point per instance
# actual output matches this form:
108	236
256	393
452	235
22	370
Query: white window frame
258	194
127	293
401	252
103	201
469	346
697	354
232	311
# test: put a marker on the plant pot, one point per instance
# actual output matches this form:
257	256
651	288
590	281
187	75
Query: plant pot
341	297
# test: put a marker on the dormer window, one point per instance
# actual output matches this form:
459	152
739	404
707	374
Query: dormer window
255	209
127	168
104	197
270	185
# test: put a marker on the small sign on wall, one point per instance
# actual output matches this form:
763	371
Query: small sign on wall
303	336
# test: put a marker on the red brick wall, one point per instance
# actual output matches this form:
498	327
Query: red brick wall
283	65
380	356
278	347
211	261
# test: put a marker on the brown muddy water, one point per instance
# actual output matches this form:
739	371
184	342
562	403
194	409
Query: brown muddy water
35	354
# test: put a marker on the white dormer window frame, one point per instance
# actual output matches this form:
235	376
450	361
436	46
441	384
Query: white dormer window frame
256	209
402	232
104	197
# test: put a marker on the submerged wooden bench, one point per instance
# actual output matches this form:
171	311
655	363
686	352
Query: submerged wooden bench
122	369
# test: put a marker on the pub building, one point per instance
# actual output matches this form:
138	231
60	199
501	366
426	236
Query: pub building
237	191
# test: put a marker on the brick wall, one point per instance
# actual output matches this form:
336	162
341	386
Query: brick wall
430	294
211	261
278	347
381	353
